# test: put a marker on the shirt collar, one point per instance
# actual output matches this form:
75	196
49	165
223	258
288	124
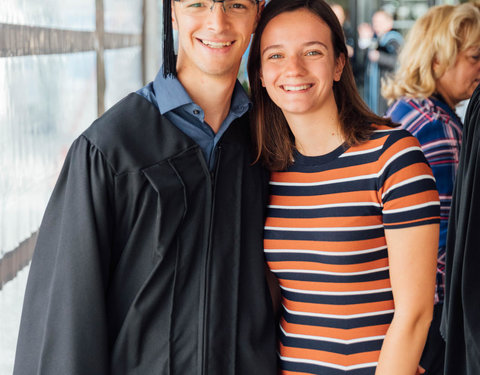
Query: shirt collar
439	101
170	94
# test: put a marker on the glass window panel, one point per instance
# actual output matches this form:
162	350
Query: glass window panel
123	72
49	101
68	14
123	16
11	300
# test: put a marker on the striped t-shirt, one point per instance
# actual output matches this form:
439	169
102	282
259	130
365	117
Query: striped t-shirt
324	240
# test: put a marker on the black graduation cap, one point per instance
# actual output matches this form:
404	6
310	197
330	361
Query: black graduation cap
169	60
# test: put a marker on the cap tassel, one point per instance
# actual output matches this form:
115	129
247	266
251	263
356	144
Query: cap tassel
169	60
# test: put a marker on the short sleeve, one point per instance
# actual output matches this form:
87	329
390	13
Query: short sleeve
406	185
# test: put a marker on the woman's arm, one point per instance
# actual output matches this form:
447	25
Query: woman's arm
412	254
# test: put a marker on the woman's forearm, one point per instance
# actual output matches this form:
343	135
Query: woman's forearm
403	345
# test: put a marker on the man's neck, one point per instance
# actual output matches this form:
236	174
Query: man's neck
213	95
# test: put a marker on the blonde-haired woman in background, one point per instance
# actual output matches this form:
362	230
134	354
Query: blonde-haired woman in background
439	66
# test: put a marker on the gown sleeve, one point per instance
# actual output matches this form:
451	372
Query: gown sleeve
63	327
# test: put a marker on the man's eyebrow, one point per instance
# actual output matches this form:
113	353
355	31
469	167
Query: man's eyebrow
307	44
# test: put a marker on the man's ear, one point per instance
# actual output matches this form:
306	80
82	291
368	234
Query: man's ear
174	19
261	5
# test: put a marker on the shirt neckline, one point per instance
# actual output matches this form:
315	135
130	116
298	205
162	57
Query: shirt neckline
301	159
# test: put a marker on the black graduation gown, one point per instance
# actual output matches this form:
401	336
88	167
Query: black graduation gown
461	312
146	263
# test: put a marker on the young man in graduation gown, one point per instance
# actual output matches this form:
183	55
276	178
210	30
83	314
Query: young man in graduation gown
149	258
461	310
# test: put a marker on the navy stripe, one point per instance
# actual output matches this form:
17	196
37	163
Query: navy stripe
338	300
412	215
369	184
325	212
426	184
368	321
373	276
323	370
333	347
340	236
409	158
326	259
346	161
409	225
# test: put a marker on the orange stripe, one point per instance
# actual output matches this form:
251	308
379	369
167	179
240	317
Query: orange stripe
313	200
329	357
412	200
324	245
335	287
336	333
398	146
360	308
413	221
324	222
312	266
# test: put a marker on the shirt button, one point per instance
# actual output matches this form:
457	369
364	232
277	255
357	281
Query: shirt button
196	112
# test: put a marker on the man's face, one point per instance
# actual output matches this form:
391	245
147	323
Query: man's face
212	43
382	23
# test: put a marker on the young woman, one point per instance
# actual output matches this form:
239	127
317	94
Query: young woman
352	226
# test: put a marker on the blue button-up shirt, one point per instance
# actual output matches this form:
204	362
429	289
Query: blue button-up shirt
173	102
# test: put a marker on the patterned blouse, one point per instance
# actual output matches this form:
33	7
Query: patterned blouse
439	131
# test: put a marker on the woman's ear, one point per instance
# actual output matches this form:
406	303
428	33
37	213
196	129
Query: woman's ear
340	64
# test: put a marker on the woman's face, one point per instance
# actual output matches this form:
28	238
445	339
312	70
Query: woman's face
298	64
459	81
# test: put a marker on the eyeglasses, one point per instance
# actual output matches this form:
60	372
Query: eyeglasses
230	7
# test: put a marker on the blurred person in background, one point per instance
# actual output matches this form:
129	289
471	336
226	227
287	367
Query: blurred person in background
352	226
347	30
149	258
439	66
381	45
460	320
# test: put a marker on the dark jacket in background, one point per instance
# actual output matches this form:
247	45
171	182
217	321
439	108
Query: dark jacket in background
461	312
146	263
388	47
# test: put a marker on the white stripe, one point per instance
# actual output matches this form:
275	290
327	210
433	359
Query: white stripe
353	316
347	179
326	364
386	130
397	155
411	208
355	153
330	273
322	293
330	339
406	182
318	252
333	205
343	229
320	183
